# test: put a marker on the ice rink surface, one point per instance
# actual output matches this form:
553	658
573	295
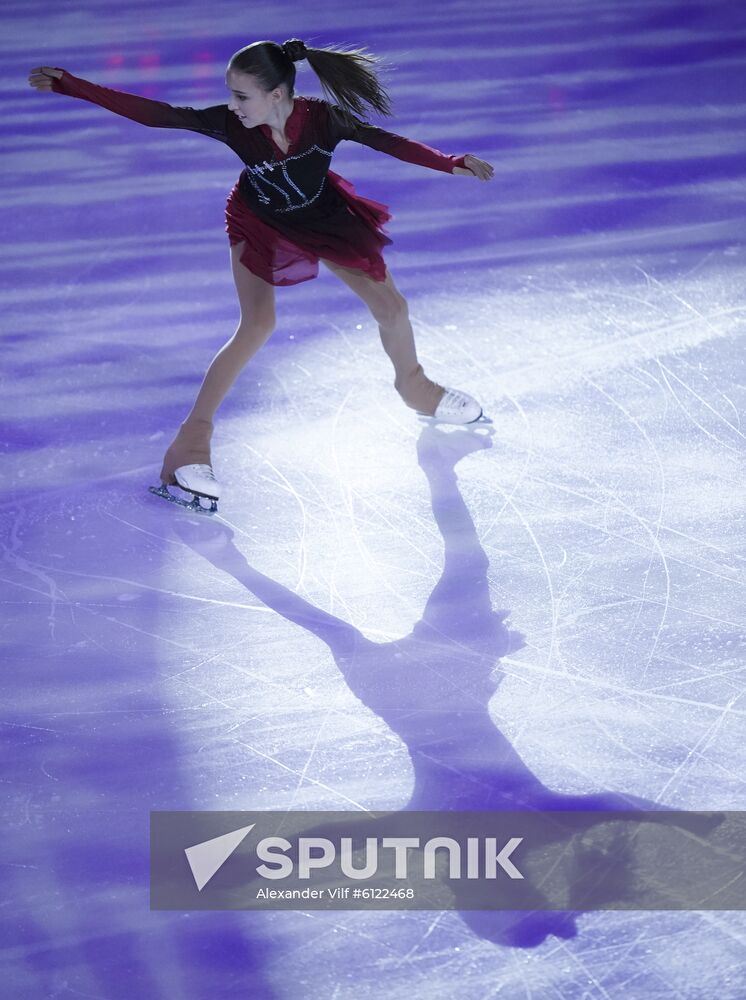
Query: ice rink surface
557	621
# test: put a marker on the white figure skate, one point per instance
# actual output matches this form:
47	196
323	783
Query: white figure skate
457	407
200	481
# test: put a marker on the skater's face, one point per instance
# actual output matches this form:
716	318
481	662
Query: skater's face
251	105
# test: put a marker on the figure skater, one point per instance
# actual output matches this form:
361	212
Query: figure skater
287	211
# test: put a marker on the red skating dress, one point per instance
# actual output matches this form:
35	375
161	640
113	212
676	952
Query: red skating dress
289	209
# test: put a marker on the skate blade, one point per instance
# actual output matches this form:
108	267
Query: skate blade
477	422
193	505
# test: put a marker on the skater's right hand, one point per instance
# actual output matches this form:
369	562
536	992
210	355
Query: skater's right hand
40	77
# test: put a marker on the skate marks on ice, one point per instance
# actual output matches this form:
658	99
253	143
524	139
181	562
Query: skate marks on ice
545	329
432	687
91	742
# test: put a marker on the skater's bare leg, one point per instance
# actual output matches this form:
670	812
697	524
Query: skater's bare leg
257	301
389	308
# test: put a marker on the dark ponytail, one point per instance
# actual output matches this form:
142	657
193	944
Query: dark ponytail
347	76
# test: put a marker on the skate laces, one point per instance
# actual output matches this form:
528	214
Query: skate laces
453	401
203	470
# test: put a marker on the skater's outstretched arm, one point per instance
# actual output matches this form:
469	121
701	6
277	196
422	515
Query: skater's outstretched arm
157	114
350	127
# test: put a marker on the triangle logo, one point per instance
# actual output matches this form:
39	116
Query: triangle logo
206	858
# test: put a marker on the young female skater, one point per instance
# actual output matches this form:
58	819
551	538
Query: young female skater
287	212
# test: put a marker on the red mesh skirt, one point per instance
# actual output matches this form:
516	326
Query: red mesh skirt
341	226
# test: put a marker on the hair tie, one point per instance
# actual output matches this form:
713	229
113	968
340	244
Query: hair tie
294	49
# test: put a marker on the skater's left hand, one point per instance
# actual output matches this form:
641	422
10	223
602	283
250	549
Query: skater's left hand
476	168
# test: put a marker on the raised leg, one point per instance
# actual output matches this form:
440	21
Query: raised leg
389	309
257	301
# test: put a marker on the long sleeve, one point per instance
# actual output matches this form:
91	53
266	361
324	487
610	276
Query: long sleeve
352	128
157	114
